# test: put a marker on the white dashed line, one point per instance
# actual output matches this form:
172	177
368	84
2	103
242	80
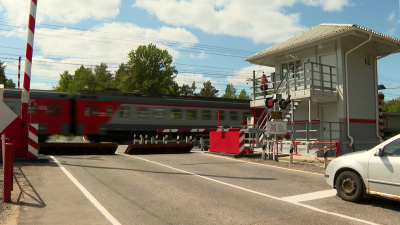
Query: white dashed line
87	194
255	192
311	196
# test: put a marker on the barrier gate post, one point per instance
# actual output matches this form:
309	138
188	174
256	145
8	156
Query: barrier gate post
8	172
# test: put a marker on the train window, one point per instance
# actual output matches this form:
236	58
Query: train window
124	111
191	114
109	110
206	114
245	115
34	108
142	112
175	114
233	116
94	110
57	109
160	113
49	109
221	115
87	110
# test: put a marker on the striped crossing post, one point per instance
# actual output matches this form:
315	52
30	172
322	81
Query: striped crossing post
27	78
33	146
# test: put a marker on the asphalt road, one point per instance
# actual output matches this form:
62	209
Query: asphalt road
190	188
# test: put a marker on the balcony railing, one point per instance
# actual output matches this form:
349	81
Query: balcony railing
307	76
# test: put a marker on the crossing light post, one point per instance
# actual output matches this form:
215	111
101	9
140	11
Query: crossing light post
283	103
269	102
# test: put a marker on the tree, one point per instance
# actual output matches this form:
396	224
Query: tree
230	92
151	70
8	83
83	80
391	105
243	95
102	77
187	90
123	80
208	90
65	82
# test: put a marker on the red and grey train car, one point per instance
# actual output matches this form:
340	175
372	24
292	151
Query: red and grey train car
116	117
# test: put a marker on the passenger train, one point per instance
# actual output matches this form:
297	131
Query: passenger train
117	117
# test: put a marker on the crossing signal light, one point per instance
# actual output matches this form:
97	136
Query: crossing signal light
269	102
284	102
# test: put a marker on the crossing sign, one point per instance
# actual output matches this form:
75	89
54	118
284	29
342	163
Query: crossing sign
274	127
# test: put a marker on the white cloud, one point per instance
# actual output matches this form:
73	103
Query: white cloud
201	55
240	77
60	11
391	17
328	5
199	79
109	42
261	21
41	86
391	32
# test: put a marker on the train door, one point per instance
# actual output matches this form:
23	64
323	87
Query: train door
53	112
91	124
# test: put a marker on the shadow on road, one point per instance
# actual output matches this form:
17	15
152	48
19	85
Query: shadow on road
28	196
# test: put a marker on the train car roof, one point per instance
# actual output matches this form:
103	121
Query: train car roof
163	99
13	92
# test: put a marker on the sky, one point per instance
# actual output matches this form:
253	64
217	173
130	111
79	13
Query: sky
208	39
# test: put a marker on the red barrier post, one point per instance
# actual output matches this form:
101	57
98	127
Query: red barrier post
7	179
337	149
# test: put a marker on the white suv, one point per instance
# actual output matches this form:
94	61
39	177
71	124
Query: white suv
373	172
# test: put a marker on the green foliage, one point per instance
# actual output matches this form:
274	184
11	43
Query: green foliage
230	92
151	70
8	83
83	80
123	80
187	90
208	90
391	105
102	77
65	82
243	95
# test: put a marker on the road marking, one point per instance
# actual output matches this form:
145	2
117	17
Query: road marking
311	196
254	192
87	194
260	164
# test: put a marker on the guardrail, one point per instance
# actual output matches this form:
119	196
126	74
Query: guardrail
278	148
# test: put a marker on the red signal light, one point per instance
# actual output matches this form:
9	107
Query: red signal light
269	102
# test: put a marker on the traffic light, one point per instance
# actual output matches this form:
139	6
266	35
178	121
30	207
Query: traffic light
269	102
284	102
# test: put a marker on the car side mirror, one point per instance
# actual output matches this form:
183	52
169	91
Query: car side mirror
379	152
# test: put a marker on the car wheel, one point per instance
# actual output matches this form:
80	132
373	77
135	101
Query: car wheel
349	186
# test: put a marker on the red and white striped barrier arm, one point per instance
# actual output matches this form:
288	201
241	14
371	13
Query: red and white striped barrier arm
28	62
33	146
